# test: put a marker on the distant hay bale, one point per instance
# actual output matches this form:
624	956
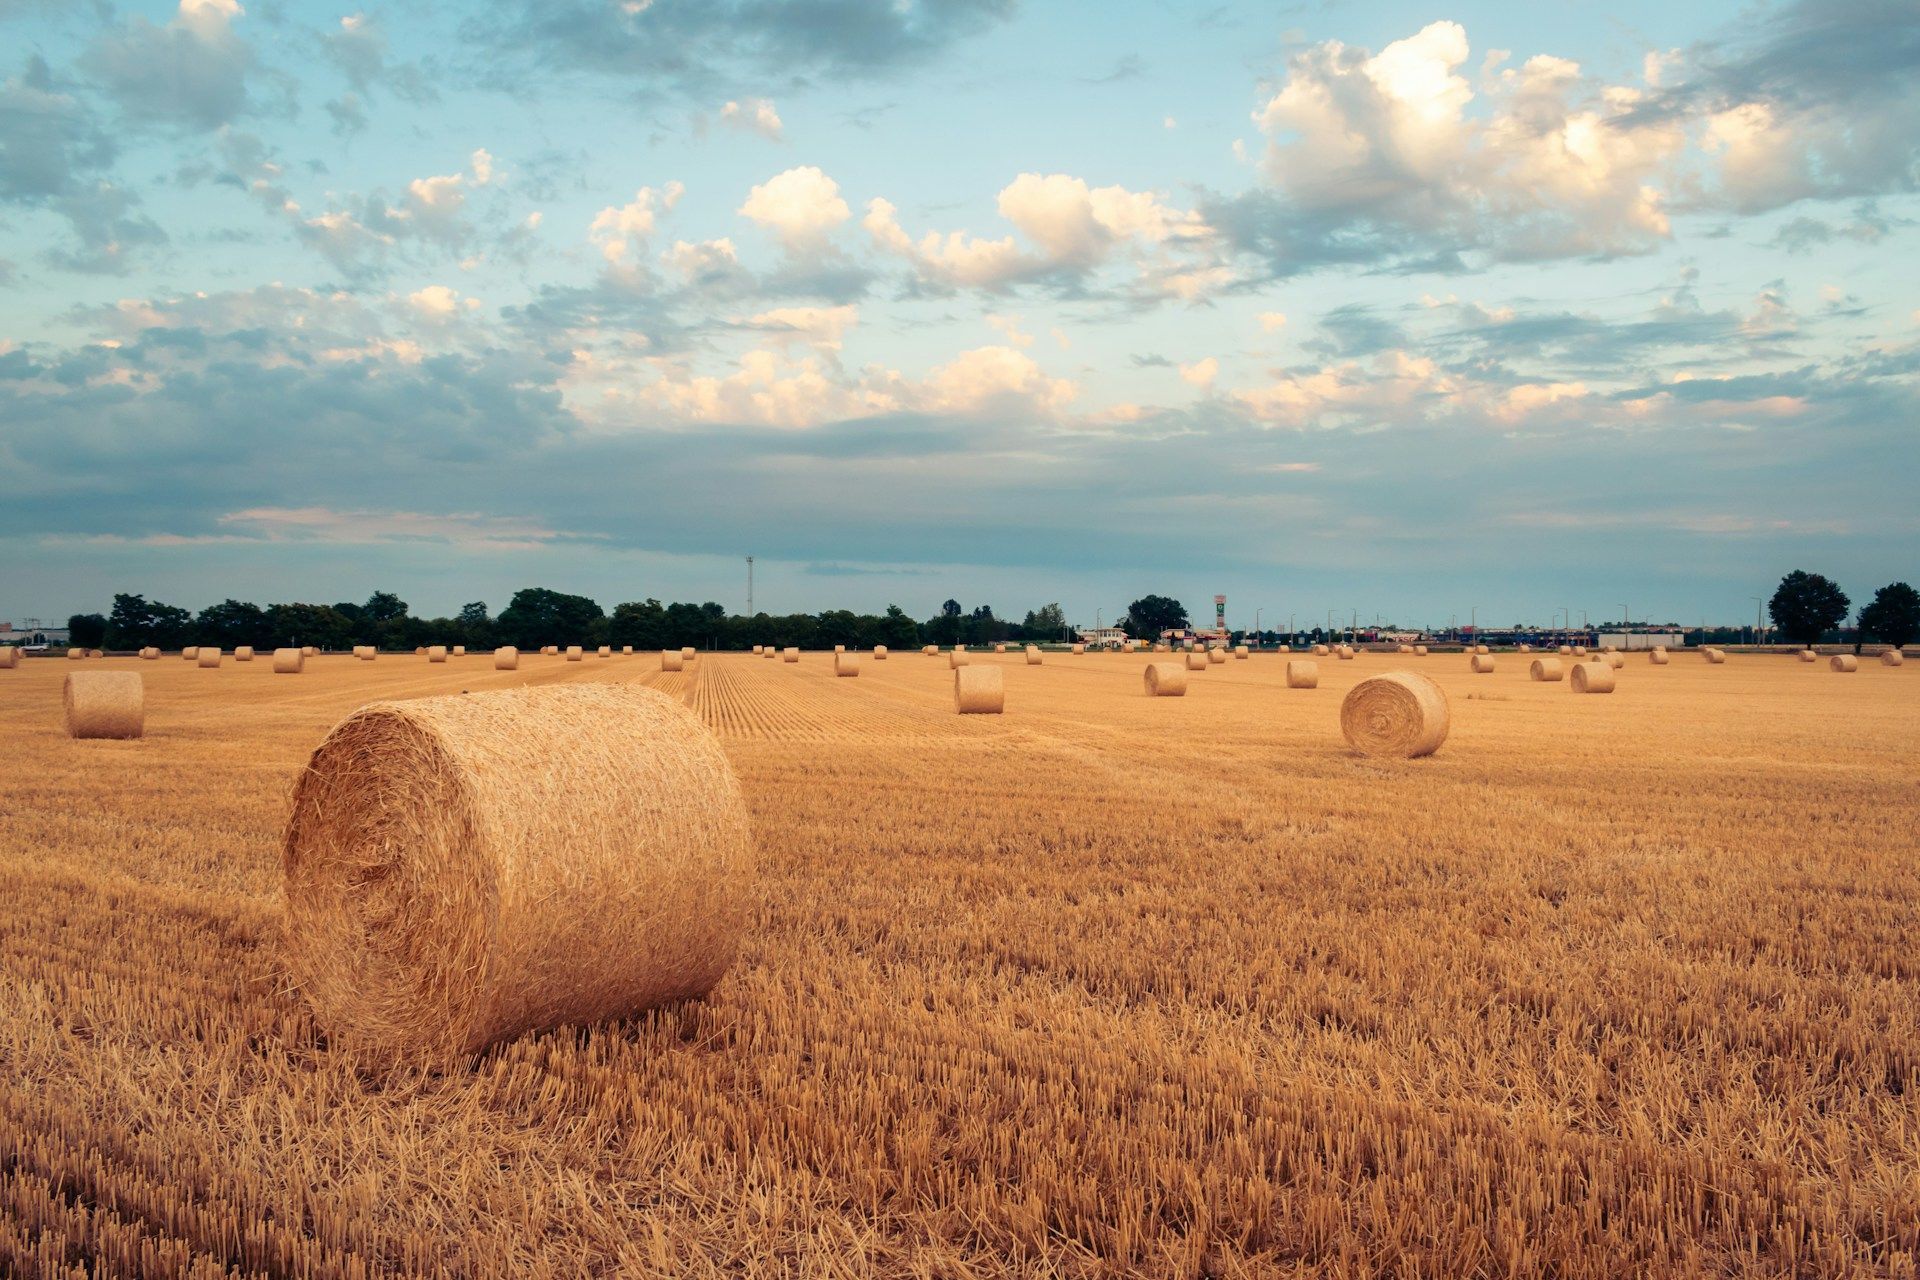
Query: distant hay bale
441	896
1843	662
1892	658
688	653
1217	657
1343	652
1609	648
790	655
1126	646
930	650
1481	663
1303	675
459	651
846	664
309	651
191	653
1526	648
1657	656
1808	655
243	653
76	655
1419	651
879	653
839	648
436	653
1566	651
1196	661
1616	659
756	650
1714	656
148	654
420	651
1033	656
288	662
10	656
604	651
1239	652
1166	680
979	691
1546	670
1405	648
1480	648
506	658
1579	651
1401	714
1163	648
574	653
549	650
956	658
960	648
999	648
626	651
670	660
105	704
1321	651
364	652
209	656
1080	648
1592	677
770	652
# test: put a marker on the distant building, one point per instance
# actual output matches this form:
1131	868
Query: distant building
1104	637
1643	638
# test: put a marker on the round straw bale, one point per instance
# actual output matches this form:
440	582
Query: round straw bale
1843	662
879	653
1419	651
770	652
756	650
210	656
148	654
999	648
1400	714
574	653
790	655
1239	652
1593	677
956	658
1612	658
436	653
506	658
1714	656
1321	651
364	652
1166	680
420	651
1033	656
1080	648
1217	657
604	651
1303	675
1892	658
1196	661
688	653
442	897
670	660
95	653
1126	646
10	656
105	704
846	664
549	650
1526	648
626	651
1657	656
1480	648
459	651
1405	648
1547	670
1566	651
1808	655
76	655
931	650
288	662
309	651
960	648
1579	651
979	691
839	648
1481	663
1344	653
191	653
1163	648
243	653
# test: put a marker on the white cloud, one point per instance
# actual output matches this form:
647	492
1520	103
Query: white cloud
439	303
617	228
1200	373
1008	327
956	259
481	164
820	327
1272	321
754	115
801	206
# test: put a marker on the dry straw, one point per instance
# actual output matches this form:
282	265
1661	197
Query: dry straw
1547	670
1714	656
459	651
1614	659
1526	648
1808	655
979	691
879	653
1239	652
1843	662
757	649
1405	648
689	653
1126	646
1481	663
770	652
1321	651
442	895
1343	652
105	704
626	651
420	651
931	650
839	648
790	655
1196	661
1303	675
1080	648
956	658
243	653
1419	651
1217	657
436	653
309	651
288	662
1657	656
1593	677
670	660
999	648
364	652
846	664
506	658
10	656
1480	648
1400	714
1892	658
1579	651
210	656
1166	680
1566	651
1033	656
604	651
76	655
191	653
149	654
574	653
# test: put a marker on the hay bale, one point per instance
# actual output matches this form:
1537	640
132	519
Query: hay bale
1196	661
364	652
441	896
1892	658
1545	670
148	654
1033	656
1321	651
243	653
1481	663
549	650
879	653
1419	651
1843	662
999	648
191	653
1579	651
1526	648
76	655
1566	651
436	653
689	653
1808	655
960	648
506	658
626	651
1079	648
309	651
1217	657
1344	653
105	704
1126	646
574	653
1480	648
979	691
1405	648
1657	656
1165	680
770	652
1714	656
210	656
604	651
956	658
459	651
420	651
1303	675
1163	648
930	650
670	660
1592	677
1401	714
289	662
839	648
790	655
846	664
756	650
10	656
1240	653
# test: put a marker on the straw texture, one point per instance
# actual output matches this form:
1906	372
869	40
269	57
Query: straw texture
1321	651
208	657
689	653
288	662
1808	655
76	655
459	651
1546	670
243	653
1033	656
956	658
1843	662
149	654
1892	658
626	651
670	660
1079	648
1714	656
1481	663
191	653
999	648
364	652
436	653
1239	652
10	656
1303	675
574	653
462	870
105	704
1593	677
1217	657
1614	659
1196	661
309	651
1657	657
979	691
1579	651
506	658
604	651
790	655
1400	714
879	653
1165	680
1419	651
1566	651
846	664
770	652
931	650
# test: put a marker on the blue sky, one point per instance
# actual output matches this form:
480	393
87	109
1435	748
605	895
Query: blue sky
1390	308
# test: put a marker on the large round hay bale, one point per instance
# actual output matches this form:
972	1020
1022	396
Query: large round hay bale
105	704
1657	656
839	648
1126	646
846	664
1526	648
960	648
1080	648
1239	652
459	651
95	653
1217	657
1481	663
1196	661
1163	648
1566	651
1613	658
1033	656
288	662
604	651
148	654
770	652
1714	656
309	651
436	653
1344	652
76	655
575	653
420	651
441	896
1419	651
1404	648
210	656
365	652
756	650
879	653
1321	651
1579	651
790	655
688	653
1165	680
626	651
1546	670
1892	658
1303	675
1400	714
506	658
1593	677
1480	648
979	691
243	653
670	660
191	653
1808	655
956	658
10	656
930	650
549	650
1843	662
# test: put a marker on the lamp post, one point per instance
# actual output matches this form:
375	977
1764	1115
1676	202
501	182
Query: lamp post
1757	602
1256	628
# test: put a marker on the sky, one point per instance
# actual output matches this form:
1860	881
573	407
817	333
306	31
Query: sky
1416	311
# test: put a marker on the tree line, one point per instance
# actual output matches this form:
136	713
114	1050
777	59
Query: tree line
1808	608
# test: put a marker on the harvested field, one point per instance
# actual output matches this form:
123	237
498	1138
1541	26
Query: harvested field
1104	985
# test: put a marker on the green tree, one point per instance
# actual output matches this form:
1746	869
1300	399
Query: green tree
1806	606
1046	623
86	631
1148	616
537	616
1894	615
230	624
642	624
897	630
137	622
383	606
316	624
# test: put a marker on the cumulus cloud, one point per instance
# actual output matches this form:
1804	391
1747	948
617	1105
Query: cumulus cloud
754	115
192	72
619	229
801	206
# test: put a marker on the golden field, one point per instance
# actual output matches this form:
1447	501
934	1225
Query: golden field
1107	985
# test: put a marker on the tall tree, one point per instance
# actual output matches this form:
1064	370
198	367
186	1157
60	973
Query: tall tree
1148	616
537	616
1894	615
1806	606
86	631
137	622
230	624
1049	622
383	606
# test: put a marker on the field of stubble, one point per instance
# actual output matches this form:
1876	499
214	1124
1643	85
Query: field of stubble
1611	986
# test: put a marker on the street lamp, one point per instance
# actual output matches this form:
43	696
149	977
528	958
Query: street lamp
1757	602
